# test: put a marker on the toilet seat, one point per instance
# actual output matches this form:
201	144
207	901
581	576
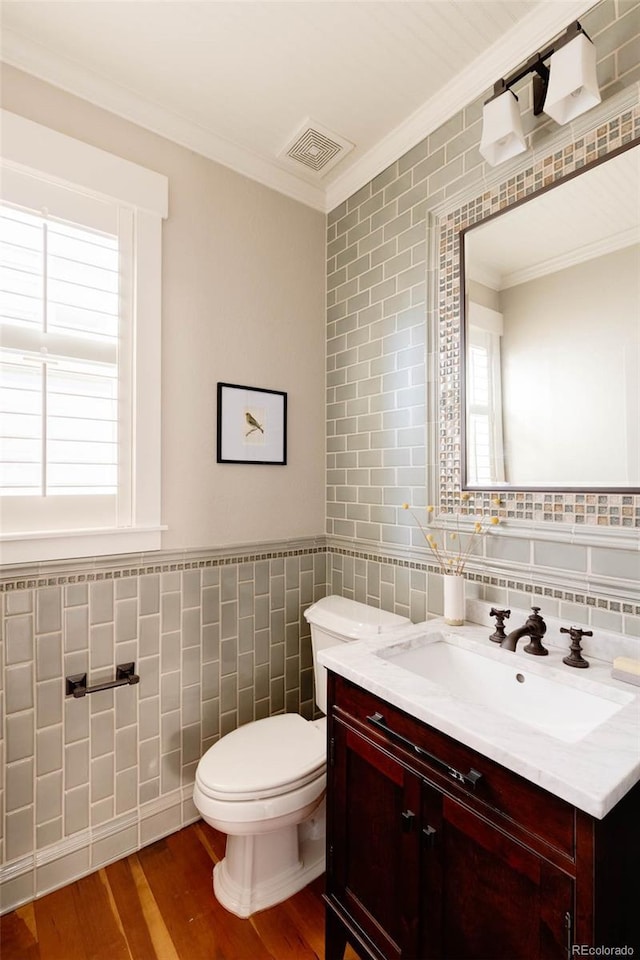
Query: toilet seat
266	758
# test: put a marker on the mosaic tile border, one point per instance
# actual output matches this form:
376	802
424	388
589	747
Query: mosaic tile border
61	580
585	509
566	596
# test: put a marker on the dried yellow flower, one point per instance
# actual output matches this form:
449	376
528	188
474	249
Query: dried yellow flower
405	506
494	521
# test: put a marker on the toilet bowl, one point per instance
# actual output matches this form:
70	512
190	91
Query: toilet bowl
264	783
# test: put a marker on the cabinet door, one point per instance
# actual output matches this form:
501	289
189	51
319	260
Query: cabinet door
372	869
485	895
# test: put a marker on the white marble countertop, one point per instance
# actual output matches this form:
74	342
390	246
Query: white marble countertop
593	773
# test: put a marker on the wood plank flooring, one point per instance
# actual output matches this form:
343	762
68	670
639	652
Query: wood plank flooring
158	904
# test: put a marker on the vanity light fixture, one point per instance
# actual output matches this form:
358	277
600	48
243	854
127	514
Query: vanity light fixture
564	89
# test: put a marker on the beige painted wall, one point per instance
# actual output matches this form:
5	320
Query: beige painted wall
243	302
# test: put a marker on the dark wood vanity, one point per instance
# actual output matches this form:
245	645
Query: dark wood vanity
434	851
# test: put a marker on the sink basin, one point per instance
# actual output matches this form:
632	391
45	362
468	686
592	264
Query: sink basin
559	709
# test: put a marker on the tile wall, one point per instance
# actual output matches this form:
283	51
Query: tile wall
216	642
384	360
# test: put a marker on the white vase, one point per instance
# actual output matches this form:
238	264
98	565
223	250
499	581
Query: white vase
454	599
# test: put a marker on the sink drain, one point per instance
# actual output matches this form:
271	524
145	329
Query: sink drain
520	677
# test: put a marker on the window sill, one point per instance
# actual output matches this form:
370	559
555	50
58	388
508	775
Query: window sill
34	547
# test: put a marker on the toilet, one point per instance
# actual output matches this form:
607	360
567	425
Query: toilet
264	783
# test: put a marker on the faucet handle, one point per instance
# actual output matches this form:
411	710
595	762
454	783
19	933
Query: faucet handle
575	658
501	615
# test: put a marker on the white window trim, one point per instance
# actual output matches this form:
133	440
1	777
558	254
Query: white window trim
30	146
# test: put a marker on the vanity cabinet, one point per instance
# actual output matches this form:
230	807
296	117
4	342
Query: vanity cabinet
434	851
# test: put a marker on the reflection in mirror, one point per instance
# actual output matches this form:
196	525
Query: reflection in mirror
552	336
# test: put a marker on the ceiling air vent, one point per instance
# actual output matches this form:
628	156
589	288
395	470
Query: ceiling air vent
316	148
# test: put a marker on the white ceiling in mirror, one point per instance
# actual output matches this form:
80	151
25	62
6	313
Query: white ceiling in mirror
593	214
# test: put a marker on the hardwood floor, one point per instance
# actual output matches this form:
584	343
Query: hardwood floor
158	904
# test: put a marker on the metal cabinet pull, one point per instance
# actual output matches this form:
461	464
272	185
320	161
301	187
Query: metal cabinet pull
429	836
470	779
408	818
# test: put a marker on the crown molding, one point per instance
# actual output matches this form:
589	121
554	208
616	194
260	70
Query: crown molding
514	47
35	59
533	31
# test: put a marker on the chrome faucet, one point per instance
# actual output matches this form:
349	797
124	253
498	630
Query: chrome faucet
535	628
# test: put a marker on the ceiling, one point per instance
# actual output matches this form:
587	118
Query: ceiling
517	246
240	81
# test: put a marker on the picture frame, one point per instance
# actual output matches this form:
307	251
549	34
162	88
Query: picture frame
252	425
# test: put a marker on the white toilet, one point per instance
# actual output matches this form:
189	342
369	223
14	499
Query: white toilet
264	783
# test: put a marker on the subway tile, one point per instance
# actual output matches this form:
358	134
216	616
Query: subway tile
49	696
20	736
19	601
76	764
101	774
49	754
126	620
19	833
170	582
49	797
170	692
149	594
126	790
126	588
229	620
191	738
20	781
48	833
76	629
191	701
170	652
170	772
101	602
191	627
191	586
149	718
149	635
101	642
170	606
149	753
125	706
228	693
190	666
76	719
149	791
48	610
19	639
210	642
102	811
102	734
76	810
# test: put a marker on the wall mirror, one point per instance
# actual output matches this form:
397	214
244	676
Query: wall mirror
551	337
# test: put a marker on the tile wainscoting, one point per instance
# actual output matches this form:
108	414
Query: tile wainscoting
218	639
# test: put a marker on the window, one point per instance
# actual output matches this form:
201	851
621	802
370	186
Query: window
485	457
79	349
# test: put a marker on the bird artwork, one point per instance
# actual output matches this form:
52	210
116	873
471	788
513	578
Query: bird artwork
252	424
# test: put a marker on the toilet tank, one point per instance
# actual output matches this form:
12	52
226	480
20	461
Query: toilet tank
337	620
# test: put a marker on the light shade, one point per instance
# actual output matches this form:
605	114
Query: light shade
502	135
573	83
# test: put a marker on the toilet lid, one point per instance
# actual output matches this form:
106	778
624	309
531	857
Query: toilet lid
263	758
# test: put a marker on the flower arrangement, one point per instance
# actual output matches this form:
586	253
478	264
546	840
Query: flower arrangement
452	555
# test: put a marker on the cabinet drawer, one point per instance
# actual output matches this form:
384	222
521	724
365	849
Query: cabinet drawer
532	814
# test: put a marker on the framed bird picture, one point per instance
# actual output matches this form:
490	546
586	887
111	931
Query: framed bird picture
252	425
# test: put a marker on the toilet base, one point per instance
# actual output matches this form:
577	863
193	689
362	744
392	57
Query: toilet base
261	870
